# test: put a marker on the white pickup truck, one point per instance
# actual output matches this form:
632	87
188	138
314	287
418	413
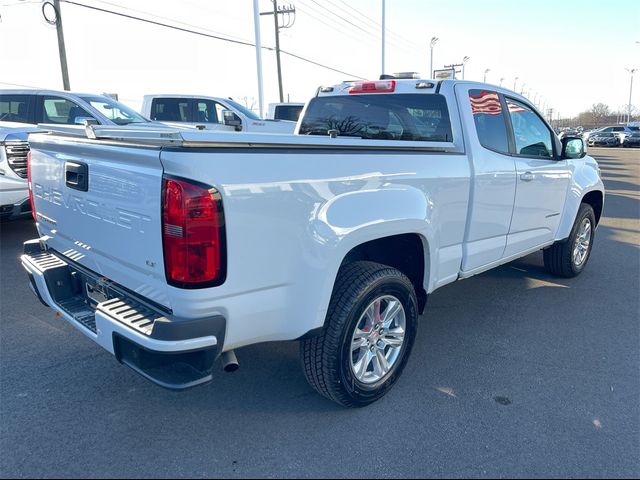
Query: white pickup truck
14	197
210	113
171	249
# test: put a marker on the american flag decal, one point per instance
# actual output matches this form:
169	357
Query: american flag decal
486	102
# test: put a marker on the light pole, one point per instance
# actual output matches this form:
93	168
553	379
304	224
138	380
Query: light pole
485	75
514	83
464	62
383	32
501	80
434	40
631	71
522	88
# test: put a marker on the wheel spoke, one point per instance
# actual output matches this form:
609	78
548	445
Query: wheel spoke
376	311
358	344
382	364
362	365
390	313
360	334
393	342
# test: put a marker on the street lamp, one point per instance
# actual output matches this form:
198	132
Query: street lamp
485	75
501	79
434	40
522	88
631	71
464	61
514	83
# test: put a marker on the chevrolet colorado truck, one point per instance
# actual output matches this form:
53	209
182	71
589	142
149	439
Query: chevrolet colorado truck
171	249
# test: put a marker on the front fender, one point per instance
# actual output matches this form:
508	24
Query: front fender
585	178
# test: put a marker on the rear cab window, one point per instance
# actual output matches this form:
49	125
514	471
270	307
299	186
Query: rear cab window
17	108
170	110
490	121
287	112
408	117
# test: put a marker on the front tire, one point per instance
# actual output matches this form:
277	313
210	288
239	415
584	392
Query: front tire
368	336
568	259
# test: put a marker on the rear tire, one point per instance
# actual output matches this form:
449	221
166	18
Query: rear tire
568	258
369	332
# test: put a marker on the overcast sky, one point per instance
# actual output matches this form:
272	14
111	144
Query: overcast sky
572	53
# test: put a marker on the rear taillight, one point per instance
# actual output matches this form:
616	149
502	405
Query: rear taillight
373	87
33	209
193	234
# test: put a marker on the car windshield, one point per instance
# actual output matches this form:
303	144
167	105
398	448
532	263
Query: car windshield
248	113
115	111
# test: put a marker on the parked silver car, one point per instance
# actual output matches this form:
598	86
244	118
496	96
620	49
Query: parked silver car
34	106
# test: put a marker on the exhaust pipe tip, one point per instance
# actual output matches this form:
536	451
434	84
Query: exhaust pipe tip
229	361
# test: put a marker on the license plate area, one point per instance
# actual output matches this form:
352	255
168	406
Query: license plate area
95	292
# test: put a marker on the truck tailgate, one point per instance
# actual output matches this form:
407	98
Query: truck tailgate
100	206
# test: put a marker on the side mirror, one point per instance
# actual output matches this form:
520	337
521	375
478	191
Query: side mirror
573	148
85	121
232	120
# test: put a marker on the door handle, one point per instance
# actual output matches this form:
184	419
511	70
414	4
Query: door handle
527	176
77	176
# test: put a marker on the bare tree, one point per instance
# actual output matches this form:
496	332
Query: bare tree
599	112
249	102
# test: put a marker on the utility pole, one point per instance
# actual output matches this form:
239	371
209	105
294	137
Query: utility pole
631	71
280	11
256	26
61	48
453	67
383	32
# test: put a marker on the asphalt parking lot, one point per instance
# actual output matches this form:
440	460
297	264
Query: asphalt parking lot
514	373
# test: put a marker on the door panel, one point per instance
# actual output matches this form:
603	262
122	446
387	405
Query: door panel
494	177
542	181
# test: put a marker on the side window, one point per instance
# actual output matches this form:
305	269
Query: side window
60	110
207	111
170	109
489	119
532	137
16	108
618	129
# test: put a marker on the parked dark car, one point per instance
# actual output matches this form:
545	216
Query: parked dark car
632	140
604	140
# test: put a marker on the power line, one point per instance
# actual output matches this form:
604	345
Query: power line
373	34
172	20
375	22
338	28
343	19
208	35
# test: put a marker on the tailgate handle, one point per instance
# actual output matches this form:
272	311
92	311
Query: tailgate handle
76	175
